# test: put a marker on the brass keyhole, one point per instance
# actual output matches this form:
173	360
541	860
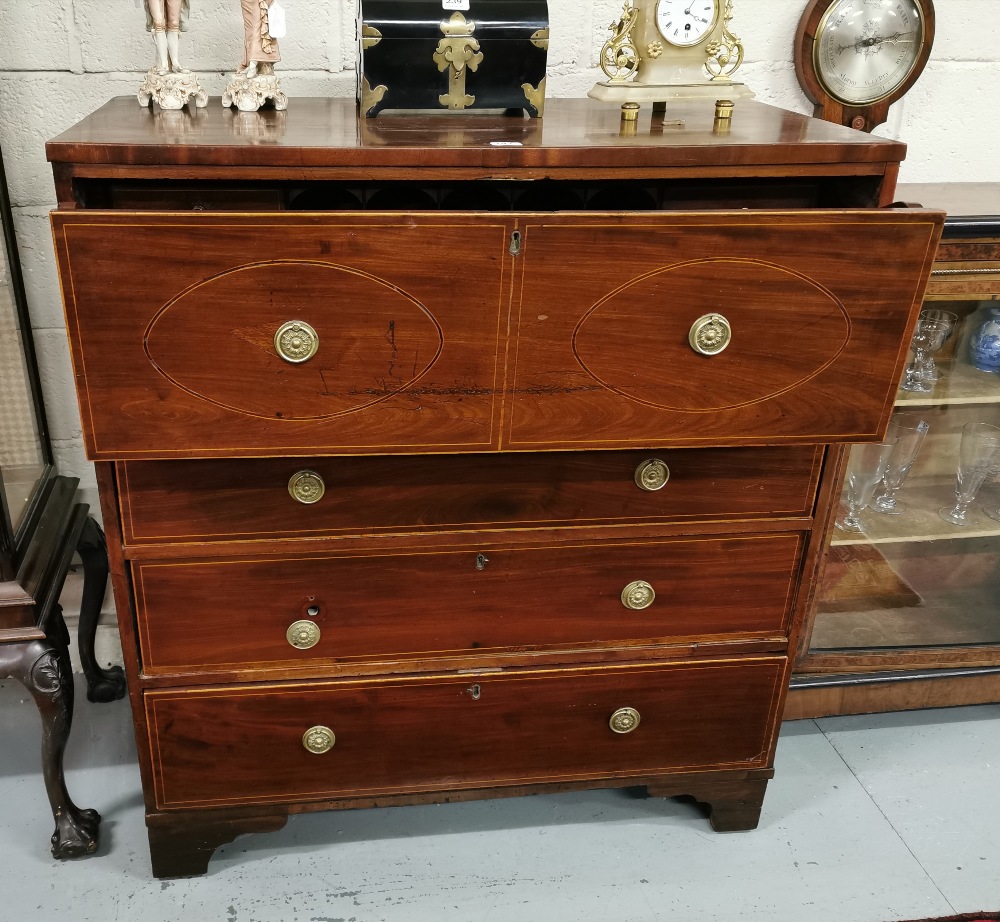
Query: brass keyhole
475	691
481	561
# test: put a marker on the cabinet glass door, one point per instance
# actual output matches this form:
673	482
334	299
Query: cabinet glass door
23	451
912	575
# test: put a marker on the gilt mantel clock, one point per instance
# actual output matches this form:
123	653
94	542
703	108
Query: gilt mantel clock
662	50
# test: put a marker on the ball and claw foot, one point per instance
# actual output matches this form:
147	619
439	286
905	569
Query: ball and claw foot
76	833
108	685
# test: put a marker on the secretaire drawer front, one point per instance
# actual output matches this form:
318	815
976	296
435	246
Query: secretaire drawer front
486	598
687	329
308	742
204	334
216	500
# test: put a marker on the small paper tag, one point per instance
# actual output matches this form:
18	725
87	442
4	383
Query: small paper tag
506	144
276	20
455	5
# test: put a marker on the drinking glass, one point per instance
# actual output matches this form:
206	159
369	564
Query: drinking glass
977	457
908	437
864	471
993	511
934	328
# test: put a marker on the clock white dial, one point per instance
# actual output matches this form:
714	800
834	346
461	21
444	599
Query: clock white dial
865	49
686	22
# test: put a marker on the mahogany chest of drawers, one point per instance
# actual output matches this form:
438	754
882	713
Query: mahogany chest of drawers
449	458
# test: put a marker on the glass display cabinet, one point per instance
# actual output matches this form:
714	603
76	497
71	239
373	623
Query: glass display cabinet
907	613
41	525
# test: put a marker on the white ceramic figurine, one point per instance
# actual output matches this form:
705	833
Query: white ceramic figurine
167	83
254	81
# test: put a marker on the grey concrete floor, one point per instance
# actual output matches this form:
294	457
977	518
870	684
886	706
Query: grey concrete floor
869	819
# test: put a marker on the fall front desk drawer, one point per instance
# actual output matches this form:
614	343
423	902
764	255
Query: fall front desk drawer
247	613
368	334
216	500
323	740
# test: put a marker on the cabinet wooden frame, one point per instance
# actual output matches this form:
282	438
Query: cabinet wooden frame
906	676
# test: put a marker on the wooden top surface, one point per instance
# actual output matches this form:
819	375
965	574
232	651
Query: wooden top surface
573	133
956	199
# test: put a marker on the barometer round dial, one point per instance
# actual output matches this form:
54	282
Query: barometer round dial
856	57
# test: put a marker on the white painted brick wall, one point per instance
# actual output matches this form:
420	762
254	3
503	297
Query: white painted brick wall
63	58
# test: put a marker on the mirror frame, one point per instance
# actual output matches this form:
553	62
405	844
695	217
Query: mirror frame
13	541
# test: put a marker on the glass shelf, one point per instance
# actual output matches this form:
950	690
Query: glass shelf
921	521
960	384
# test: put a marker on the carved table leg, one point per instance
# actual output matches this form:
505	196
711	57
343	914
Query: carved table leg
181	845
43	667
734	806
102	684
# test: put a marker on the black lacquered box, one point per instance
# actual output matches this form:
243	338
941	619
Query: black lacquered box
452	54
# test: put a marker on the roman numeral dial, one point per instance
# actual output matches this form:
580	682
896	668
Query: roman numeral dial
686	22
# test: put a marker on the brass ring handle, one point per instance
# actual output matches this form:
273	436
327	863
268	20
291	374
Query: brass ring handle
296	341
710	334
306	487
652	475
319	739
624	720
303	635
638	595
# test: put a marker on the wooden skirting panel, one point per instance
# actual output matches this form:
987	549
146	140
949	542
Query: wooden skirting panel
871	694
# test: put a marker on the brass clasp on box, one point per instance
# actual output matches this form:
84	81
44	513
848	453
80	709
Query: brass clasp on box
303	635
638	595
319	739
710	334
306	487
296	341
652	475
624	720
456	52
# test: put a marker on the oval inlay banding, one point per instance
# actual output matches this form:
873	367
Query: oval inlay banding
217	340
786	329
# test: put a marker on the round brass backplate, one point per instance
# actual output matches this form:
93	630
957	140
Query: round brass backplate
306	487
710	334
624	720
652	475
303	635
319	739
638	595
296	341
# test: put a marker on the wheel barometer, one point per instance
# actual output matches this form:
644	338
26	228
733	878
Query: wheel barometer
663	50
855	58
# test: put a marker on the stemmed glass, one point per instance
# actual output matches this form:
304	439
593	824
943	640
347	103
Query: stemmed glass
864	471
934	327
993	511
977	457
908	437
